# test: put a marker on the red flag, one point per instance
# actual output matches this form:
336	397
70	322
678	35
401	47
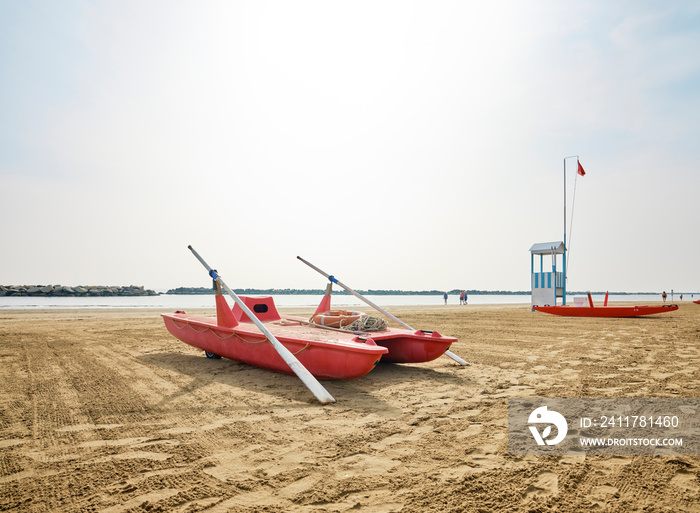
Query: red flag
580	170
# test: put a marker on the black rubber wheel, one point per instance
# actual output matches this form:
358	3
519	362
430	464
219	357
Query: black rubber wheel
212	355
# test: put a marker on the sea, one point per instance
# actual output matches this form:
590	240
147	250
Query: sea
172	302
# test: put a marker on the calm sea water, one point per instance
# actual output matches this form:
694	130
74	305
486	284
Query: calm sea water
168	302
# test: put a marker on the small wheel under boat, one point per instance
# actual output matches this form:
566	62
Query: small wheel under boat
212	355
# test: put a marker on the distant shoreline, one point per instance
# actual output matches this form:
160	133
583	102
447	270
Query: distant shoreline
139	290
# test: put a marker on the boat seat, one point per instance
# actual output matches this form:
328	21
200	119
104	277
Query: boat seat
263	308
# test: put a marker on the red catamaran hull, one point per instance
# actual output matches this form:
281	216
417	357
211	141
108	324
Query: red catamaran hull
406	346
605	311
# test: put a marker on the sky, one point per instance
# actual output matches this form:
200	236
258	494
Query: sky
412	145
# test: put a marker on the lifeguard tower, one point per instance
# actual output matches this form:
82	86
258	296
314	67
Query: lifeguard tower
548	286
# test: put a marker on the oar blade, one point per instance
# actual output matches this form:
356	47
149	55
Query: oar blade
311	382
456	358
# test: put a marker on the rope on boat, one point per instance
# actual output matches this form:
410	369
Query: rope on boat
300	350
233	334
367	323
222	338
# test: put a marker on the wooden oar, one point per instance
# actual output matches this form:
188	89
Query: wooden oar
302	372
378	308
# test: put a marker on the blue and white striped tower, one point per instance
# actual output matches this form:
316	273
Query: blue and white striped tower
547	286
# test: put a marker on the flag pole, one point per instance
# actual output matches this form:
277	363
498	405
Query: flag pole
564	255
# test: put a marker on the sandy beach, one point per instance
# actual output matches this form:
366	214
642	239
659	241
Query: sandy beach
102	410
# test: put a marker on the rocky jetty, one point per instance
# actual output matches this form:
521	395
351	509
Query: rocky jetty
81	290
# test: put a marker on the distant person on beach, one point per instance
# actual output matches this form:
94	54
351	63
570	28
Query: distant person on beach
663	296
461	297
681	296
465	297
445	297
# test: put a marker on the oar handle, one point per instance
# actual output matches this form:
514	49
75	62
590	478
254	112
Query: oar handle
211	271
320	271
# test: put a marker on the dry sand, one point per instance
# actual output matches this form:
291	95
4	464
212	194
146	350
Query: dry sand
105	411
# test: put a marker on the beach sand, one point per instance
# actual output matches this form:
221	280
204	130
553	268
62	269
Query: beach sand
102	410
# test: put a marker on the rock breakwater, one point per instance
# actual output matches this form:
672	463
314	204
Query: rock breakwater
80	290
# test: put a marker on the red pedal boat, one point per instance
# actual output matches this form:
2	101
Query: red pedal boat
253	332
604	311
327	353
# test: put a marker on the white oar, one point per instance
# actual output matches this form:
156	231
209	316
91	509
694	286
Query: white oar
378	308
302	372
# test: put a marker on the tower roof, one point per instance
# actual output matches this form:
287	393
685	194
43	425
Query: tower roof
546	248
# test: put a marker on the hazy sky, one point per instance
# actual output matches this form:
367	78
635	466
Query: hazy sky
396	144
